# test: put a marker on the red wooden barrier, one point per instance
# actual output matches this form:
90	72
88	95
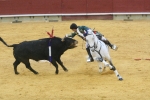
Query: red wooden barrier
46	6
73	6
128	6
5	7
99	6
11	7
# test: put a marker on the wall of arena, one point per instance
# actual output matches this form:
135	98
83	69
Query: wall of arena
57	10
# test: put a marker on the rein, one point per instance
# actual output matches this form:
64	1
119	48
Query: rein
95	45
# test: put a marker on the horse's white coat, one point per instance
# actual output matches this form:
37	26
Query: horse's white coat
100	52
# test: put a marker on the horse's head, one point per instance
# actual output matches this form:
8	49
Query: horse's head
91	40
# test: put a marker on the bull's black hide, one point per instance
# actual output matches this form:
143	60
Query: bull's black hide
38	50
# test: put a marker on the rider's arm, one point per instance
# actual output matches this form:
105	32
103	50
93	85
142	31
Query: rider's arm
79	33
71	35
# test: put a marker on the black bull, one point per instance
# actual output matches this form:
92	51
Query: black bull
39	50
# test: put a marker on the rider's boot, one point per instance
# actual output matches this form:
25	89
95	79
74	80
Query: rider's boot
114	47
90	58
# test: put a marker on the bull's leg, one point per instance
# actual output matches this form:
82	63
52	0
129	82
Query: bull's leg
27	64
112	67
56	66
61	63
16	63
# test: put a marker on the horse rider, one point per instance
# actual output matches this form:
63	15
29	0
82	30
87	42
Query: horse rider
81	30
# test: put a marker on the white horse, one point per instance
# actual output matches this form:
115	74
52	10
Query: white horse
100	52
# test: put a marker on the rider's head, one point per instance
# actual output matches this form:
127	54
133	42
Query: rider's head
73	27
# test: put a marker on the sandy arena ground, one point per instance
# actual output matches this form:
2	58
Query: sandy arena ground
83	80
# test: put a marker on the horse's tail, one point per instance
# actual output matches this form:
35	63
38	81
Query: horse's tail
13	45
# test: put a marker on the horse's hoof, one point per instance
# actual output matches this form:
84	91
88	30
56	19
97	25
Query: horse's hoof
120	79
100	69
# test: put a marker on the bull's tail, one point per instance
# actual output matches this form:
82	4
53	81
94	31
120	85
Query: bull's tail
13	45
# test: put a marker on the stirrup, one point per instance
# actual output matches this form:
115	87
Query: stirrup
114	47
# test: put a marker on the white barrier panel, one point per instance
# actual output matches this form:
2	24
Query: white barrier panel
19	19
57	17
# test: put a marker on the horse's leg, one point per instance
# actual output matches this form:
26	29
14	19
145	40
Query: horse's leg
102	64
104	68
105	63
112	67
101	67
